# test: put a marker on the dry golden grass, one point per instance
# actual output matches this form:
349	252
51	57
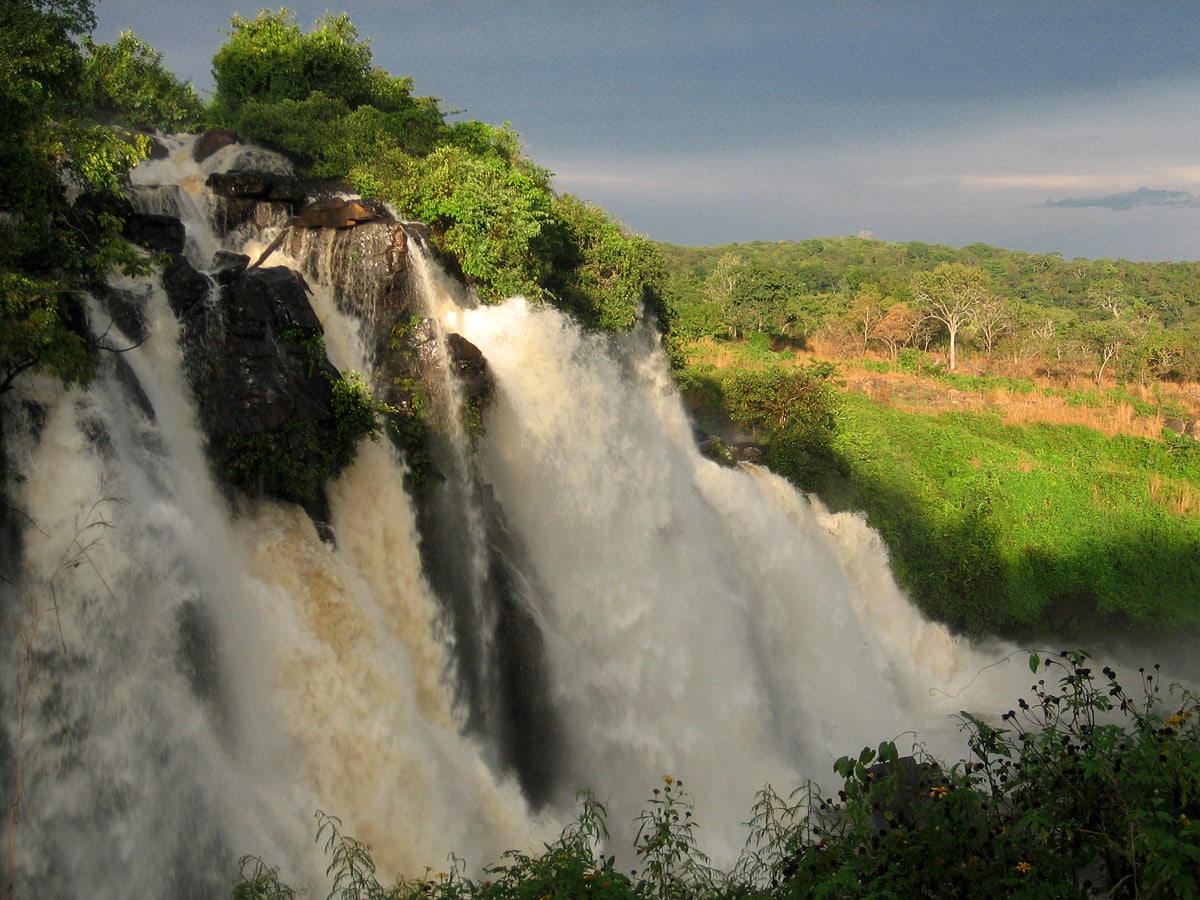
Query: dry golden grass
1047	404
1054	401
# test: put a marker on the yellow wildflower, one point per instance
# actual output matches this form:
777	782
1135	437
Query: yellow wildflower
1024	867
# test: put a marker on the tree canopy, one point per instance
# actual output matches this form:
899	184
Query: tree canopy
60	190
858	295
493	214
952	295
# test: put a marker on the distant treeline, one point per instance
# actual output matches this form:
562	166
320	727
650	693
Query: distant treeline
1070	318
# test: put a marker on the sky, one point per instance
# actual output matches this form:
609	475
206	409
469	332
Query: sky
1050	126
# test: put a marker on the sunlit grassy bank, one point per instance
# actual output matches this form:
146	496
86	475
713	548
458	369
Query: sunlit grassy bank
1007	506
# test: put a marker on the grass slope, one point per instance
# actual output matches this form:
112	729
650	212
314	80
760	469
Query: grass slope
1000	523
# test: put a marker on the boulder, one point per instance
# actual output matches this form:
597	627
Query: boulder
211	141
366	264
471	366
186	288
1184	427
241	184
227	266
127	309
253	373
264	387
257	198
748	451
153	232
335	212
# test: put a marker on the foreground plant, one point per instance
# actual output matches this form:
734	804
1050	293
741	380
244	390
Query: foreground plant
1083	790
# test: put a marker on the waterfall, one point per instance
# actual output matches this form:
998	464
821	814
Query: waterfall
586	602
204	679
707	623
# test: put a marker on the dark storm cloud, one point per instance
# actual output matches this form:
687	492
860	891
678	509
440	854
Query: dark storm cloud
709	121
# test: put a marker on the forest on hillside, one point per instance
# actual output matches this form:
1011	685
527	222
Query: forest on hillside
1016	426
1011	312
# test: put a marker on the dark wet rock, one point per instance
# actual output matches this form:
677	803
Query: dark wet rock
186	288
264	387
471	366
227	267
211	141
156	233
127	309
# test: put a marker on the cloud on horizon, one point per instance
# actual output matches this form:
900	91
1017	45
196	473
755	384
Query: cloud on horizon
1128	200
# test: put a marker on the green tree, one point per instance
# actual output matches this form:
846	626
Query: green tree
492	212
61	180
498	220
1104	341
896	328
722	288
608	275
1110	295
992	320
794	411
318	95
126	83
866	313
952	295
268	59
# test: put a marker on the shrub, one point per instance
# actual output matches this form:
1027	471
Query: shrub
317	95
1085	791
602	274
55	243
494	218
297	459
794	411
127	83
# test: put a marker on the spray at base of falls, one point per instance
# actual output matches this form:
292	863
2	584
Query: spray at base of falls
708	623
222	673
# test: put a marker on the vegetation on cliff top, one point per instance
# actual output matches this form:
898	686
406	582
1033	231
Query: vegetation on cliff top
492	212
61	180
314	95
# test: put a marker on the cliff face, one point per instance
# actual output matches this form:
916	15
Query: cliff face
267	393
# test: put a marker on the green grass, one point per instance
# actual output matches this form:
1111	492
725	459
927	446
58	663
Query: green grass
1007	529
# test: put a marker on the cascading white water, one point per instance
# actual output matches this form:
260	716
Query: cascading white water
707	623
220	675
203	682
